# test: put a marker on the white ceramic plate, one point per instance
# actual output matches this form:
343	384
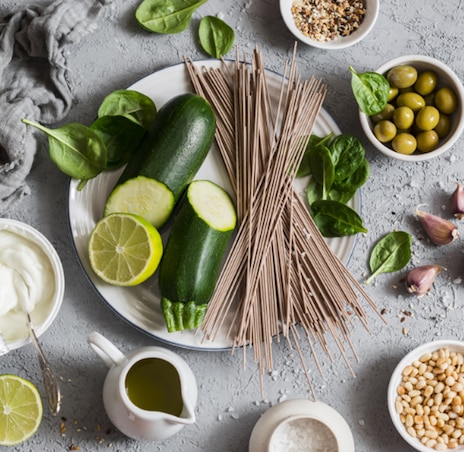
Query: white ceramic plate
140	305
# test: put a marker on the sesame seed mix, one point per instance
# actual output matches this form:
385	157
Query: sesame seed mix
325	20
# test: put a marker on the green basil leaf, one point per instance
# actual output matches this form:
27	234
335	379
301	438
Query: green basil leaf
121	137
335	219
166	16
76	149
135	106
370	90
216	37
391	253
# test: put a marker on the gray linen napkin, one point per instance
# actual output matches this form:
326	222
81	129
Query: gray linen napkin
34	80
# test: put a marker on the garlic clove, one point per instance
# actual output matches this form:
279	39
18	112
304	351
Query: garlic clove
421	279
439	230
457	202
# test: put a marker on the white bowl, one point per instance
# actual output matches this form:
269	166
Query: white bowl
265	434
372	12
47	308
396	378
446	77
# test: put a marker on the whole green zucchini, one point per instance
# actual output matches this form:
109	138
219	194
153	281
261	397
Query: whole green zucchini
166	162
194	253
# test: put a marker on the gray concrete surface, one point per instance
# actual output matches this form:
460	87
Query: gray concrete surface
119	53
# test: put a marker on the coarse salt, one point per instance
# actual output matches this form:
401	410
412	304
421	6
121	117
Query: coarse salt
303	435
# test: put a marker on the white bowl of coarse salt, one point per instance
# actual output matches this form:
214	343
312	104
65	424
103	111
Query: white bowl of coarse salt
32	278
330	24
301	425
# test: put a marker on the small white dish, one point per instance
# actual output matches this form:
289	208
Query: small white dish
266	433
396	378
370	17
12	328
446	77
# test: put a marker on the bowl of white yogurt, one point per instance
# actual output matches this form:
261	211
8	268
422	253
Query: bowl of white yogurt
32	278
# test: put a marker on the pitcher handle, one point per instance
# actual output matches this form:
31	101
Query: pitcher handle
105	349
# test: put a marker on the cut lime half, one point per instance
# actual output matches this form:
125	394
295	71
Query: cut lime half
20	409
124	249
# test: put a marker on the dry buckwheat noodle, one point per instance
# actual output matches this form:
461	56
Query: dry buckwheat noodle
280	272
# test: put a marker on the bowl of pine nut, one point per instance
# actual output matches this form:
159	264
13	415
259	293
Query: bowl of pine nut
426	396
326	24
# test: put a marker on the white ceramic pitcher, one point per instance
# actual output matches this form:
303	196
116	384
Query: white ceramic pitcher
135	419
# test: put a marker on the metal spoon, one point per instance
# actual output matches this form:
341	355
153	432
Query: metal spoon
52	388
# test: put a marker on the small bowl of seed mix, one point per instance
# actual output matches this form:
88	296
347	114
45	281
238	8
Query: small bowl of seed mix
329	24
426	396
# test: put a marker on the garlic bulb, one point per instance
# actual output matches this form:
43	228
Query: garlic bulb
421	279
439	230
457	202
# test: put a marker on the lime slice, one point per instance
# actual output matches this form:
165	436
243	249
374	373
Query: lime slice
124	249
20	409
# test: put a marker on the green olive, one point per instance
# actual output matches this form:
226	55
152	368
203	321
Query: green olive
444	126
427	141
403	117
412	100
426	82
385	131
446	100
402	76
392	93
404	143
386	113
427	118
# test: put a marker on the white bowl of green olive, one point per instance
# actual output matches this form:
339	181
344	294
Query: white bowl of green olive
330	25
421	107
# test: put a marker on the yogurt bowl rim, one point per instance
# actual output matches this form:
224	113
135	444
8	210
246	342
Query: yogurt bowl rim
39	239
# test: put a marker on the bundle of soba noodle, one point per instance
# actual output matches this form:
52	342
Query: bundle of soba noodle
280	271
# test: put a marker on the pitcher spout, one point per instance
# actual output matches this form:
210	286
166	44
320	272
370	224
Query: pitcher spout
187	416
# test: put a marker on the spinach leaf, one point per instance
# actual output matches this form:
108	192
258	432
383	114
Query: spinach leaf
166	16
357	179
76	149
335	219
121	137
313	141
313	191
135	106
391	253
322	168
347	153
216	37
370	90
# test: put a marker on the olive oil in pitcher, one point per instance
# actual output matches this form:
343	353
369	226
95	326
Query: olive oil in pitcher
153	384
